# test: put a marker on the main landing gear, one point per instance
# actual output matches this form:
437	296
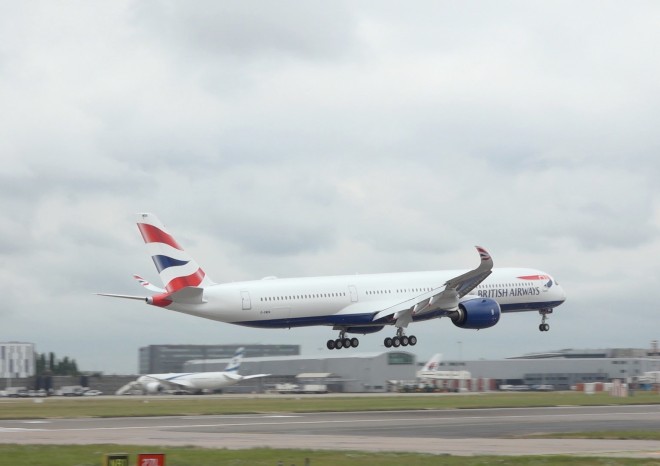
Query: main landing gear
400	340
543	327
343	342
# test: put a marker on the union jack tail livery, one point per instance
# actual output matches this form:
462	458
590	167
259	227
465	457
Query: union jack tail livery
176	268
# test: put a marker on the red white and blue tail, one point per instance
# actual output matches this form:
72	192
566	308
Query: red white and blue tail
176	268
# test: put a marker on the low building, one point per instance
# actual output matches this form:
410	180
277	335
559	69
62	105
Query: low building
562	369
160	359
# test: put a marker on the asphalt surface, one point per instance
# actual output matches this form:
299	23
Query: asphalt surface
458	432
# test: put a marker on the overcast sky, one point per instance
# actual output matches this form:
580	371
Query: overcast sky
297	138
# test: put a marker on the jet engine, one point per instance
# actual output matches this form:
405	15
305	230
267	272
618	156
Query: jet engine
477	313
153	387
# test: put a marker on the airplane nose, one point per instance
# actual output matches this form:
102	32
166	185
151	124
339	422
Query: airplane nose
561	294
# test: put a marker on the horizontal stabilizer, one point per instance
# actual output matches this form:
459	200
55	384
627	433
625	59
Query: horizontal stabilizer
188	295
124	296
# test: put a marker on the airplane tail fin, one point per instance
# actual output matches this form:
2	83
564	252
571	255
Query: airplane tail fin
433	363
177	269
235	362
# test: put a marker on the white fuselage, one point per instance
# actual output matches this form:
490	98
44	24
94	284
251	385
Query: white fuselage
196	380
353	300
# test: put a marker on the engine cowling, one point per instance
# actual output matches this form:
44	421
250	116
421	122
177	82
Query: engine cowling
153	387
477	313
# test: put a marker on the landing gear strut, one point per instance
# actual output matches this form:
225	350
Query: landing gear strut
343	342
400	340
543	327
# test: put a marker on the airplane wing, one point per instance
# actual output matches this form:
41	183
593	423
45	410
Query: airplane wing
239	377
246	377
173	381
445	297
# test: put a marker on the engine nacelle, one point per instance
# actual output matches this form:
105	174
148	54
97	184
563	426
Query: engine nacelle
153	387
477	313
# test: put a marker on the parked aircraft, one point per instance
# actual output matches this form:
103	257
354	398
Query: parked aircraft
192	381
432	370
350	304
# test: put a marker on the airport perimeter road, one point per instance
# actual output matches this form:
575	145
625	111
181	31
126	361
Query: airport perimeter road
459	432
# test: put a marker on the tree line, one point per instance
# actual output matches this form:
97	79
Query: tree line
51	365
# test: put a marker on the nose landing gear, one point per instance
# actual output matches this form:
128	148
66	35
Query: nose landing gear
543	327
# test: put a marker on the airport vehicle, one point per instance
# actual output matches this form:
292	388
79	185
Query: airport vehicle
350	304
288	388
192	382
72	390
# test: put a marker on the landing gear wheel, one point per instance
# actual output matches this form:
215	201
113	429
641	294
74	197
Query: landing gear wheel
404	340
339	343
355	342
412	340
347	343
387	342
330	344
544	316
396	342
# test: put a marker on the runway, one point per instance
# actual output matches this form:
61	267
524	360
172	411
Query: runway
457	432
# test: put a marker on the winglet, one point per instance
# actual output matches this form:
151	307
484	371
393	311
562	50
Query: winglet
485	257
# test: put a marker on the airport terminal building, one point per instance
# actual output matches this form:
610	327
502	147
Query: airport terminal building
380	372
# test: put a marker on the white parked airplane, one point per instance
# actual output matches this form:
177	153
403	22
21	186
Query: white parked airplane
431	370
358	304
194	381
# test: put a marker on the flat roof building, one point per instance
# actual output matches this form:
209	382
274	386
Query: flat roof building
158	359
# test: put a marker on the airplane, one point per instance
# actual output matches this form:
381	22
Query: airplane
431	370
432	364
193	381
350	304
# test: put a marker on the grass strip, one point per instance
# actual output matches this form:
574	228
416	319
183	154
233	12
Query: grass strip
92	455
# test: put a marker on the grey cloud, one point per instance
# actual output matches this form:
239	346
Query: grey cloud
307	30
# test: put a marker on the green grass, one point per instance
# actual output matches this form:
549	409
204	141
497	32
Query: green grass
92	455
11	408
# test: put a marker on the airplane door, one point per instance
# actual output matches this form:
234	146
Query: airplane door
245	300
353	292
